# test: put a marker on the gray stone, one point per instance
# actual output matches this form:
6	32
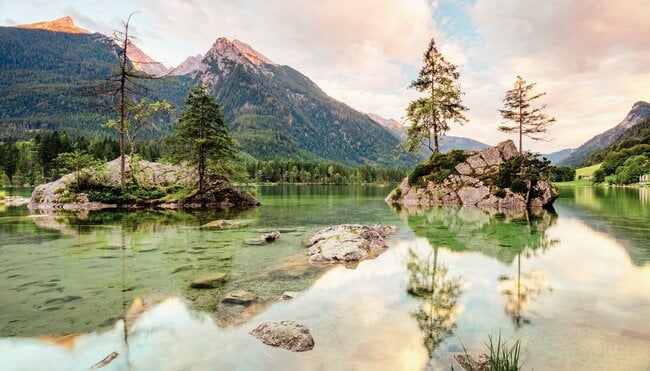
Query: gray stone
239	297
463	168
492	156
476	162
285	334
210	281
264	239
347	242
507	149
472	195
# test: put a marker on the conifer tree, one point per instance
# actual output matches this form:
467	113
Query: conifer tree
430	116
202	138
519	114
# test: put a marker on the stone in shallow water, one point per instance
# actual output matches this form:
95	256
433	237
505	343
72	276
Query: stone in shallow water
210	281
285	334
62	300
239	297
226	224
185	267
264	239
288	295
347	242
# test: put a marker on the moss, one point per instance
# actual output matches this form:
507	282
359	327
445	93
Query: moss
437	168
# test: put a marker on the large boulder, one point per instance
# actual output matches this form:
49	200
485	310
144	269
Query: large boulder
347	243
473	183
285	334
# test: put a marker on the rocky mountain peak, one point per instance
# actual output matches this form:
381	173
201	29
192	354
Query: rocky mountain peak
65	24
238	52
143	62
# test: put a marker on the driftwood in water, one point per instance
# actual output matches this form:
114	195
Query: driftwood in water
105	361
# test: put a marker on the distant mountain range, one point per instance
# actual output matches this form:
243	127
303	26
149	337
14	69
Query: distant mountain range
639	112
447	142
274	111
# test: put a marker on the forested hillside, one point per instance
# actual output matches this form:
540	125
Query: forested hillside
47	79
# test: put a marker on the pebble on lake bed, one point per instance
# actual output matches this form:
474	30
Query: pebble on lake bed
210	281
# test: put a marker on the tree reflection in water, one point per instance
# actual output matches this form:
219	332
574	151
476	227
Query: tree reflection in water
528	286
438	294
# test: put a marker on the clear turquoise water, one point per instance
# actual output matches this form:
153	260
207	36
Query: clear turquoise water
573	286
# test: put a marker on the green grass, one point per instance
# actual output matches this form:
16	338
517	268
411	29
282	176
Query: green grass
574	183
587	171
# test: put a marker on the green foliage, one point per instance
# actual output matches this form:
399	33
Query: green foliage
438	167
503	357
202	138
516	172
9	158
317	172
3	195
430	116
561	173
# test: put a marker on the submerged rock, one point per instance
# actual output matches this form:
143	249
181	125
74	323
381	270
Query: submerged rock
239	297
285	334
288	295
347	242
185	267
264	239
226	224
210	281
474	183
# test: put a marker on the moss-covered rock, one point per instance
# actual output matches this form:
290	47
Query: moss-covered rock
496	177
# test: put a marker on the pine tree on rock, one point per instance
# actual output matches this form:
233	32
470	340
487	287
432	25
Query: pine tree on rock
430	116
202	138
520	115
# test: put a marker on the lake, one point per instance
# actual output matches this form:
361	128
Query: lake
572	285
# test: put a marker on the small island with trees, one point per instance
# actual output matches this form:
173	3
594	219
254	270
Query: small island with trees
496	177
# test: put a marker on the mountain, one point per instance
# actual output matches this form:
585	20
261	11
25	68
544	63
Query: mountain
143	62
65	24
446	143
558	156
640	110
277	112
45	78
274	111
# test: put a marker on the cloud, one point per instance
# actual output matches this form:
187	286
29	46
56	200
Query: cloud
353	50
589	56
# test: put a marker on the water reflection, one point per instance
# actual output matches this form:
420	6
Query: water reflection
502	234
438	296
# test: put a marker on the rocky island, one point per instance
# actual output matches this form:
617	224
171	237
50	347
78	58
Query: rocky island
496	177
151	185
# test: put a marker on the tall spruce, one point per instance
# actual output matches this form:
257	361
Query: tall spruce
430	116
520	115
202	138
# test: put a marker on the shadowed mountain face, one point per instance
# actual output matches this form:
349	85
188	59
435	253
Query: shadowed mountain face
639	112
277	112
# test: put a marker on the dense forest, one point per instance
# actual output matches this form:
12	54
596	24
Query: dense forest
626	160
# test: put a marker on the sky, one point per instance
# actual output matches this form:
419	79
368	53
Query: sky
591	57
